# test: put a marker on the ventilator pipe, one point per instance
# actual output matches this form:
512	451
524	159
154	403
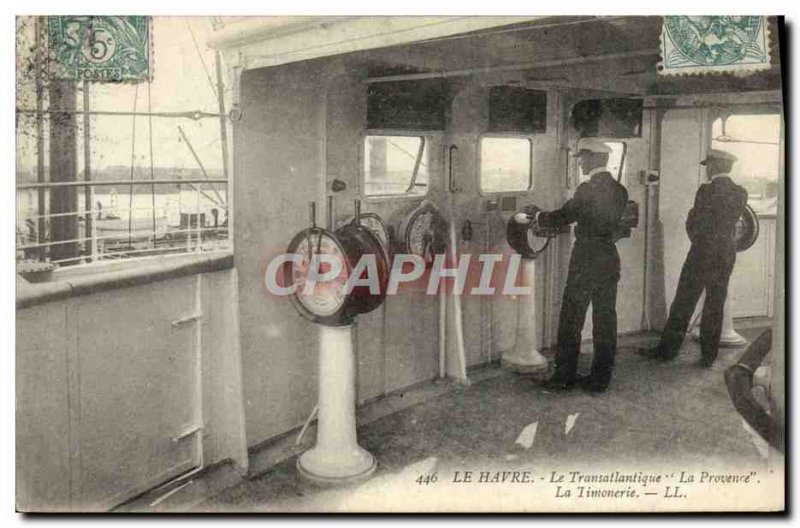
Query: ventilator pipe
457	368
739	380
442	332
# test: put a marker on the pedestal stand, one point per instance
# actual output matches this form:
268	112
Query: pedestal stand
525	358
337	458
729	336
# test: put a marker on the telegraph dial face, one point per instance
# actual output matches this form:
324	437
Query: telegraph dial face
326	298
374	223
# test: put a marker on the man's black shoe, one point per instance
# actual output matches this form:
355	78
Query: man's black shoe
557	385
705	362
653	353
594	388
588	385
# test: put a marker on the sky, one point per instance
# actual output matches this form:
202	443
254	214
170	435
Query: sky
180	83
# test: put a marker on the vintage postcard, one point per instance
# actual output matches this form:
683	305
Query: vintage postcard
429	264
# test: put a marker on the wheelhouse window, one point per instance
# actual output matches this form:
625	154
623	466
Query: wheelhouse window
395	165
616	161
755	141
506	164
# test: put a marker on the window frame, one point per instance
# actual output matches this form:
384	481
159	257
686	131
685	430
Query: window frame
531	138
427	135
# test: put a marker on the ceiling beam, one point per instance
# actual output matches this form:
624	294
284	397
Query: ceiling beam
570	61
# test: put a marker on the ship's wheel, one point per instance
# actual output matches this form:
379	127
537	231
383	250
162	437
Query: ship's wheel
746	230
524	238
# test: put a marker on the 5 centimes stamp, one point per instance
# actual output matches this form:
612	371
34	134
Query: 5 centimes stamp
100	48
714	44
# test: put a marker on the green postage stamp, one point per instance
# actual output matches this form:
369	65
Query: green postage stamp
100	48
714	44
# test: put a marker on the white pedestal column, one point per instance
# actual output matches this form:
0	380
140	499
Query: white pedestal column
337	458
729	336
525	358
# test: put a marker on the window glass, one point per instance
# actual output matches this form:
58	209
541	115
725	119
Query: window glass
505	164
395	165
755	141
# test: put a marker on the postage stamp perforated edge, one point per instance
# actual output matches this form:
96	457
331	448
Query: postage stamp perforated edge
54	69
736	69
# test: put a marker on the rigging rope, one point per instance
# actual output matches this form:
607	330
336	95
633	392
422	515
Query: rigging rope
202	61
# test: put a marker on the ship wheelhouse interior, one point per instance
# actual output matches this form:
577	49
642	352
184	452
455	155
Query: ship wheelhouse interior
183	377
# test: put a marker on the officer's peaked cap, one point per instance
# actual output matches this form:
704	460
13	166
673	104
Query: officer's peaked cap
718	154
594	145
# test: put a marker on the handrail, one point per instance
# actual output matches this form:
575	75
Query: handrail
191	114
117	236
125	183
29	294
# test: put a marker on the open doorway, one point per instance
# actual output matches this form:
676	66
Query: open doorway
754	138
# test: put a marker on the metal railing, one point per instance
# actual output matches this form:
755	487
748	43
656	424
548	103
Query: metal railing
191	221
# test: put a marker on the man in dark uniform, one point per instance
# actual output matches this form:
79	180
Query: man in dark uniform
710	225
594	270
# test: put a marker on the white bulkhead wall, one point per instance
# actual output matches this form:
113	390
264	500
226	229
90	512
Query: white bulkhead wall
490	329
681	174
127	388
279	168
397	344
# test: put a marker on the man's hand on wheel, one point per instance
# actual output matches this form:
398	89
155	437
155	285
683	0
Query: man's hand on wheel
531	211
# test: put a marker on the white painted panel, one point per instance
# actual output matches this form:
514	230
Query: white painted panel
137	389
279	159
42	420
751	281
680	177
108	384
397	344
223	408
490	321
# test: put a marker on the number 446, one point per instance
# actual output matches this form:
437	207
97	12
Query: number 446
430	478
